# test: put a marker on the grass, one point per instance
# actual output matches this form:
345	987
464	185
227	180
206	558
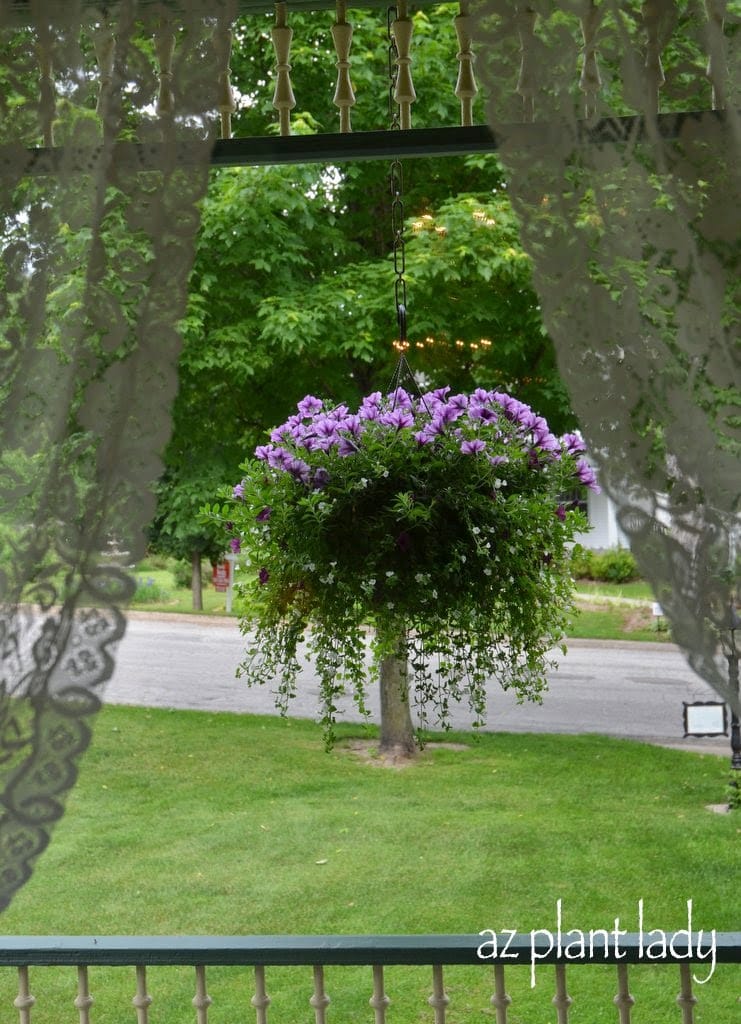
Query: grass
193	823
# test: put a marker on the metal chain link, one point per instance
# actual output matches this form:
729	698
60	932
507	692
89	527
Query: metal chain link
397	191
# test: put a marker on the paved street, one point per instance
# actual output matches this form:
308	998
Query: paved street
618	689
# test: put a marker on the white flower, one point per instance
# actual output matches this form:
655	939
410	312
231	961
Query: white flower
475	530
390	573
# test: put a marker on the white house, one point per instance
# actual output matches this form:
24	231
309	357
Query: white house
605	531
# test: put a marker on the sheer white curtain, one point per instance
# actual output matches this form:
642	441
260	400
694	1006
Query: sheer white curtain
97	240
634	234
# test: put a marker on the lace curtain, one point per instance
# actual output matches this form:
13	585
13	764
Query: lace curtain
633	225
97	239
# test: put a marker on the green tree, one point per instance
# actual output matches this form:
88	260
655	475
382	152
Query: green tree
293	286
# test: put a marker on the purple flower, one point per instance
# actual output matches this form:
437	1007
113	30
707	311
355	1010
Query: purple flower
279	458
459	402
263	576
546	441
561	512
473	447
587	476
481	413
423	437
238	491
263	451
309	405
400	399
573	444
498	460
236	545
321	478
398	418
299	470
277	435
262	517
346	447
370	407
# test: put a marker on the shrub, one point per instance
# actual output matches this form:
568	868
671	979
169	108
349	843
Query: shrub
581	563
617	565
148	591
614	566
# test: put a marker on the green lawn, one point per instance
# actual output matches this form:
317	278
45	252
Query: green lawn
193	823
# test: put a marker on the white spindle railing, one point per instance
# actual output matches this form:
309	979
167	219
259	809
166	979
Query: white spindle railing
319	1000
530	27
24	1000
402	29
716	69
83	999
378	954
526	18
379	1000
222	39
104	45
201	1000
283	98
653	12
500	1000
47	100
164	45
465	86
590	81
623	1000
142	1000
261	999
344	97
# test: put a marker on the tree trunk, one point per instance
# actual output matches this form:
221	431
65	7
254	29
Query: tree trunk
397	732
196	585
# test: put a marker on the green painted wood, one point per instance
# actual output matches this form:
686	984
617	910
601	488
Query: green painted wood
334	148
287	950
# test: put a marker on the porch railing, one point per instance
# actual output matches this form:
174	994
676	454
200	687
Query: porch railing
501	955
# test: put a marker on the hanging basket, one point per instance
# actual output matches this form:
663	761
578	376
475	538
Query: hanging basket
440	519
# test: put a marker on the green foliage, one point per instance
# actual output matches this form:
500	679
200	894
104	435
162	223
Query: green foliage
450	539
149	591
733	790
182	574
616	565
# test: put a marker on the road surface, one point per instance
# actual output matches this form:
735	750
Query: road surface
624	689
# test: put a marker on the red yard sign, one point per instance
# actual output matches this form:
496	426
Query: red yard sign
220	576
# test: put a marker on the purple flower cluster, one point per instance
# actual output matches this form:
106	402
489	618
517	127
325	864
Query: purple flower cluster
473	421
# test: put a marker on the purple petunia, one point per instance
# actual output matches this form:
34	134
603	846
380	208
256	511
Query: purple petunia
262	517
473	447
236	545
587	476
310	405
238	491
263	576
573	444
397	418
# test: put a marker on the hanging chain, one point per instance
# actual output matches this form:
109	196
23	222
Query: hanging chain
397	193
